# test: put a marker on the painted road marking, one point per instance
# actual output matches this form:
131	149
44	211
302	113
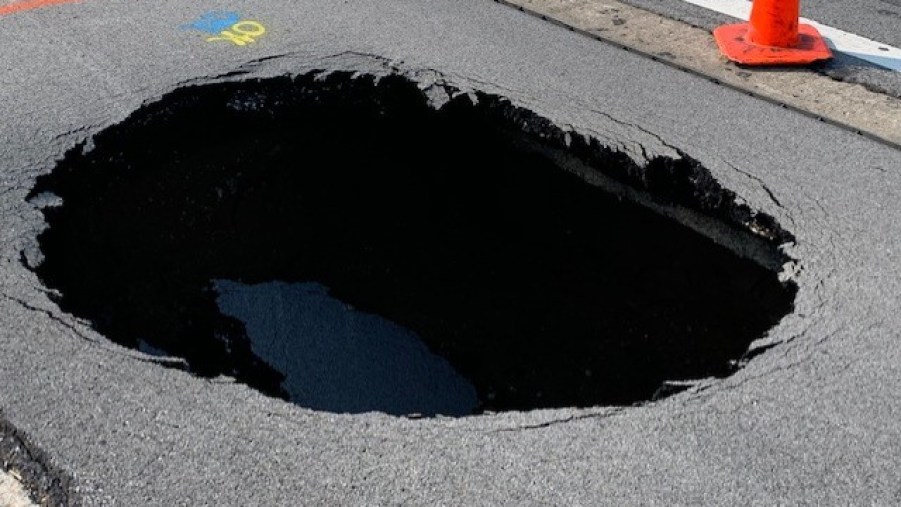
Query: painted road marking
214	22
227	26
241	33
27	5
848	43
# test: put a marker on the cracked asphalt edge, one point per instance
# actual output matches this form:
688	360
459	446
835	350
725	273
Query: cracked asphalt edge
45	484
442	88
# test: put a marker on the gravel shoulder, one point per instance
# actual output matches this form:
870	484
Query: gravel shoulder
12	494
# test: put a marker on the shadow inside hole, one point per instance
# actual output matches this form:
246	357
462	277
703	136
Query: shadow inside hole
538	288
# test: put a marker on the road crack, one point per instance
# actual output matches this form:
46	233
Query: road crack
759	181
164	361
555	422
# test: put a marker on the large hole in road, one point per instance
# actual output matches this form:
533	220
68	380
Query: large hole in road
341	242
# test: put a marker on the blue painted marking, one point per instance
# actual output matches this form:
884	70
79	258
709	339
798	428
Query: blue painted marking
214	22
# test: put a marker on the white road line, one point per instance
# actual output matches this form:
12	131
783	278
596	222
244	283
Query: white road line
872	51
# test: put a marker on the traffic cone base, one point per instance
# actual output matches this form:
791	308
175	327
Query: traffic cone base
734	43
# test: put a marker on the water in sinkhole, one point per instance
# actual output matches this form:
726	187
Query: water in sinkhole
338	359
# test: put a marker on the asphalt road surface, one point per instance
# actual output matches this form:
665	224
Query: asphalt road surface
874	19
813	419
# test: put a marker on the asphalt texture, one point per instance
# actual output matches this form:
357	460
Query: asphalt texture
874	19
812	419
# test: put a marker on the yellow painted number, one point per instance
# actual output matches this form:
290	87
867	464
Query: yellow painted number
241	34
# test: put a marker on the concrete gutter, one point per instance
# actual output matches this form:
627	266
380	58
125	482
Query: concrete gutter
12	494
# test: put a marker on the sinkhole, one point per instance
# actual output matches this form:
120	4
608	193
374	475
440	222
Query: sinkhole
339	241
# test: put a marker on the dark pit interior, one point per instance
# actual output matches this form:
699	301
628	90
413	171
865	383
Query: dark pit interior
541	289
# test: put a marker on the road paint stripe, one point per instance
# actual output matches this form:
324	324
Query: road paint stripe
27	5
848	43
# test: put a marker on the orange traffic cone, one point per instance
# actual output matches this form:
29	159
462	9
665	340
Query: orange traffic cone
773	37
